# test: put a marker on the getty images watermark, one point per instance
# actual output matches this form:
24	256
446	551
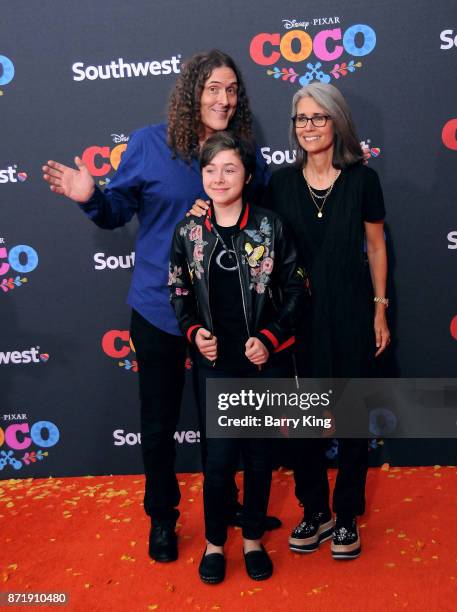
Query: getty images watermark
344	408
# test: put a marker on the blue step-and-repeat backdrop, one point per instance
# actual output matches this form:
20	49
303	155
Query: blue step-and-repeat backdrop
77	78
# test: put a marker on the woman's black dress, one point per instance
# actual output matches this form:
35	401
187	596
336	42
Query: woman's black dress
331	248
337	338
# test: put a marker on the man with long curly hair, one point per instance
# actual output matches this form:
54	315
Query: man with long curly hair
159	180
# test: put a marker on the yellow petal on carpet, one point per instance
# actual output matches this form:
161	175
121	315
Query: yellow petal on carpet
153	606
408	499
317	590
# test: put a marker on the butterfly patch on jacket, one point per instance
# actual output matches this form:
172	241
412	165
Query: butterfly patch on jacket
253	253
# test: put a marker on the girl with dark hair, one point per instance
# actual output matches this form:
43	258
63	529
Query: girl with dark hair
236	289
158	179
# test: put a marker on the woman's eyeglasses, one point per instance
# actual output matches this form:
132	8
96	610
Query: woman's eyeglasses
317	120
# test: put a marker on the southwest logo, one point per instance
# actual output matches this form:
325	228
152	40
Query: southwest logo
31	355
313	56
11	175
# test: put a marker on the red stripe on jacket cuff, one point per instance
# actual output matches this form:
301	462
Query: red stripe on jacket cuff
191	329
285	344
271	337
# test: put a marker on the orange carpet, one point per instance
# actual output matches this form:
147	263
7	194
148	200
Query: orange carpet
88	537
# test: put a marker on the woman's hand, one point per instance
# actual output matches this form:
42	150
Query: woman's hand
78	185
206	344
381	330
198	209
366	154
256	351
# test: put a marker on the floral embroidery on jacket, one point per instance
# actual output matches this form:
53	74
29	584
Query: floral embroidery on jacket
259	257
174	278
194	232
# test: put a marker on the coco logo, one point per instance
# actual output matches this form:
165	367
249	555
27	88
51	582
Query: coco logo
20	437
6	71
101	160
297	46
117	344
22	259
453	327
449	134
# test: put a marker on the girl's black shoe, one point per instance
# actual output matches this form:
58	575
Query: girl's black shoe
258	564
212	568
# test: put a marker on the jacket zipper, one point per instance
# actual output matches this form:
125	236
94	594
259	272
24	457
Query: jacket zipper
213	363
241	286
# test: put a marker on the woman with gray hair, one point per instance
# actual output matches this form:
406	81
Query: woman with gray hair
333	204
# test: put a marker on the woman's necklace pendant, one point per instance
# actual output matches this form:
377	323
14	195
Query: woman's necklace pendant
319	214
